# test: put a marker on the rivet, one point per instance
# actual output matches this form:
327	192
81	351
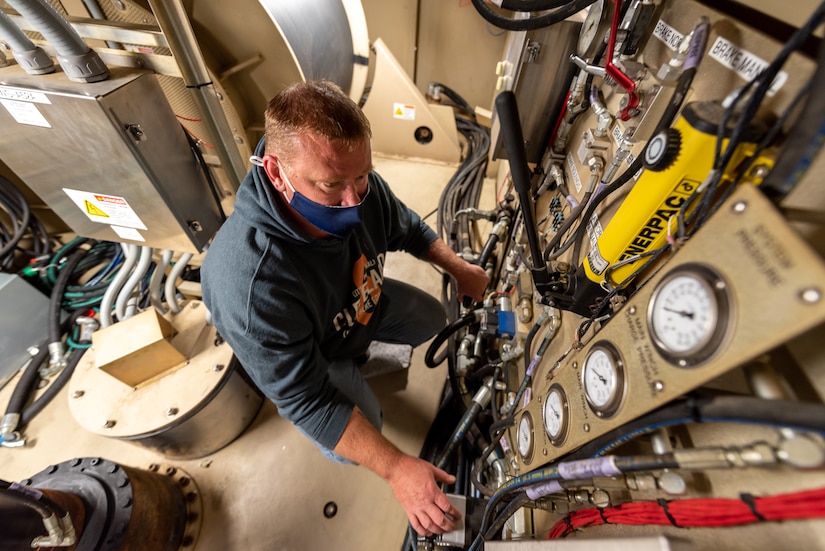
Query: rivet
631	310
330	509
184	481
171	412
109	423
544	451
95	462
739	207
171	471
77	393
51	469
811	295
75	462
217	367
126	502
154	467
575	365
586	427
659	385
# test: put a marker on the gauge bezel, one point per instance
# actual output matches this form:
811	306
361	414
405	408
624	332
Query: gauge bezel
718	289
559	439
526	417
609	409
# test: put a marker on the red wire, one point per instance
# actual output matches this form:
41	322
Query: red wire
714	512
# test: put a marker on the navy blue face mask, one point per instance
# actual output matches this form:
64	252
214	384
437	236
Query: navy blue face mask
337	221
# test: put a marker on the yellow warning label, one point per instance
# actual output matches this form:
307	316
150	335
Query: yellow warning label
93	209
399	112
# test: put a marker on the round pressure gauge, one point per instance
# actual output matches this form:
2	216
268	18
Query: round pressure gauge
688	314
603	377
555	414
594	29
525	437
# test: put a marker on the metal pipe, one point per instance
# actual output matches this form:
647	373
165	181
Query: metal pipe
174	22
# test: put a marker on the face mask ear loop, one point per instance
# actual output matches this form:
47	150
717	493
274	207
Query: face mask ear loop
257	161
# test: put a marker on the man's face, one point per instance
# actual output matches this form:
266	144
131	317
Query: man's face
323	172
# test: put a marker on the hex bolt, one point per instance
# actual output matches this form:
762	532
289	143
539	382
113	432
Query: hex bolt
171	471
78	393
75	462
217	367
126	502
109	423
184	481
95	461
154	467
171	412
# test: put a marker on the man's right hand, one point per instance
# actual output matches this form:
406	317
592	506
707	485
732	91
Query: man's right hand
415	484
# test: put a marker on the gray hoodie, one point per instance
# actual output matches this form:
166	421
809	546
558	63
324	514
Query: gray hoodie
288	304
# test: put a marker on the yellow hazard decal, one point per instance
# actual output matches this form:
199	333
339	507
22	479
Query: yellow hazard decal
93	210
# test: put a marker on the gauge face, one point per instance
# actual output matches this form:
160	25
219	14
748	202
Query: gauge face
555	415
525	437
603	377
593	29
688	315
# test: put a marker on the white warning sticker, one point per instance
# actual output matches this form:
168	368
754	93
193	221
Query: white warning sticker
106	209
403	111
744	63
574	172
128	233
25	113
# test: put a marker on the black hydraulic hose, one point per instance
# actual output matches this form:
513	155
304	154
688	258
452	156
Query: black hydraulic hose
27	381
24	498
509	510
532	5
43	400
56	298
533	23
740	409
514	143
444	334
459	433
488	249
20	218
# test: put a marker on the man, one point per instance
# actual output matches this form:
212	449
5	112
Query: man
294	282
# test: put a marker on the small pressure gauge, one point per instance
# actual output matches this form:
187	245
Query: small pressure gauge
688	314
594	29
555	414
603	378
525	437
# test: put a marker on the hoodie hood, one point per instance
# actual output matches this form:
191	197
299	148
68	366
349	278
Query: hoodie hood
258	204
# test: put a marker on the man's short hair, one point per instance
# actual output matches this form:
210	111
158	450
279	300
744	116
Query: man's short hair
318	106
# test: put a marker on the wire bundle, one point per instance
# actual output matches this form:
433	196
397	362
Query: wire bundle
22	224
706	513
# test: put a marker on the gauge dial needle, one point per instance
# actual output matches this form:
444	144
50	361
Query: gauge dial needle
683	313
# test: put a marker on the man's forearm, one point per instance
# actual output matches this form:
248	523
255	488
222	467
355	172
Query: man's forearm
362	443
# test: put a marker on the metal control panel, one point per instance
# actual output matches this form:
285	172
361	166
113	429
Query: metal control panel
692	322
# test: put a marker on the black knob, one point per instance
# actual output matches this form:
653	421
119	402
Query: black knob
662	149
